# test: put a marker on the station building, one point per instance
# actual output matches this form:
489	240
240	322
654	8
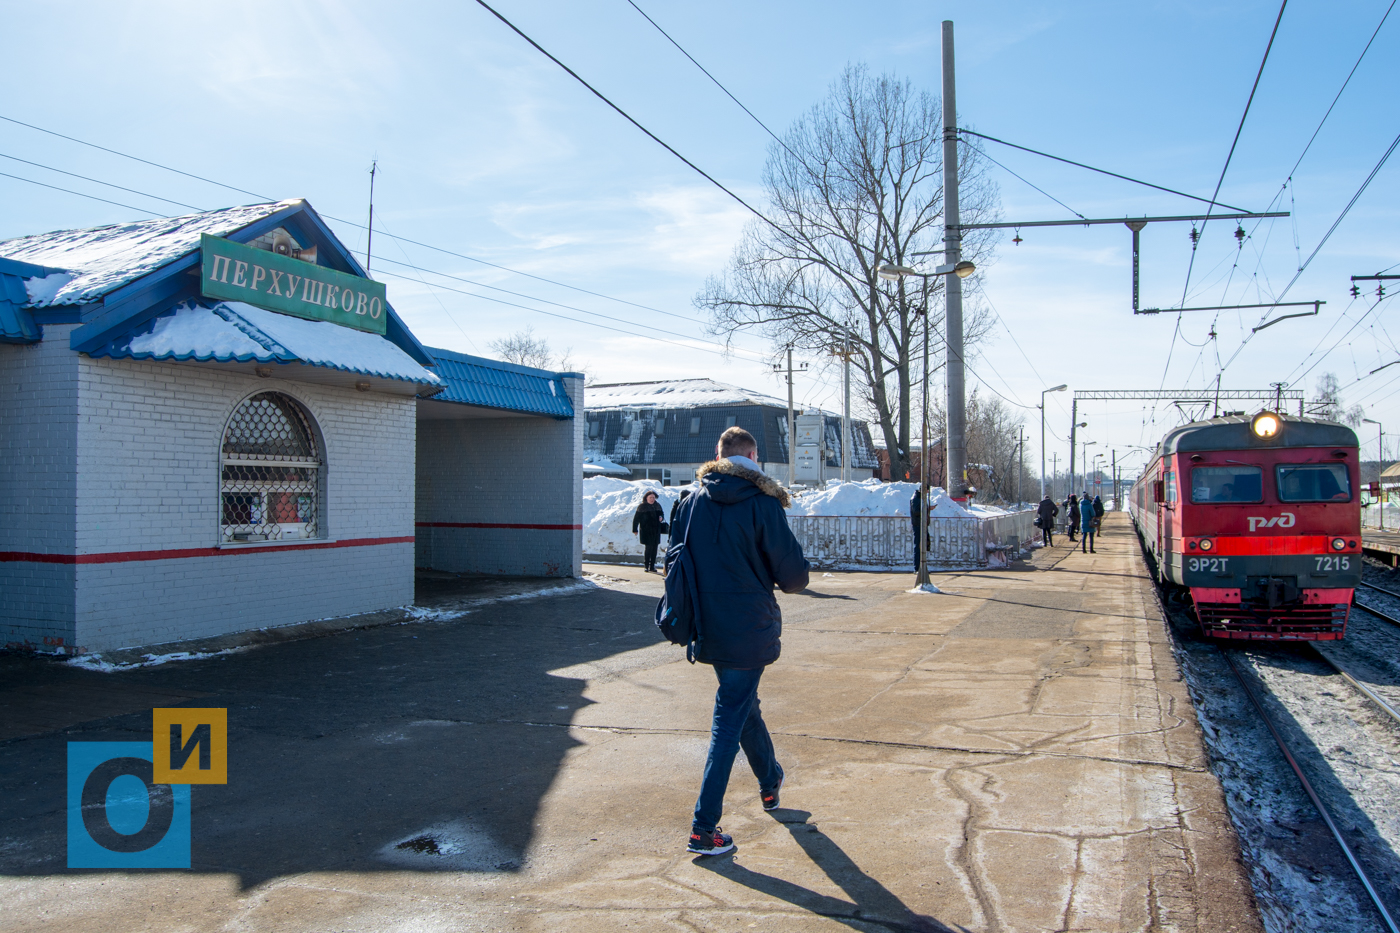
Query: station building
666	430
217	422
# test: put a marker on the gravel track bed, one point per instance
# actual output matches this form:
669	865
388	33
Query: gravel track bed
1348	748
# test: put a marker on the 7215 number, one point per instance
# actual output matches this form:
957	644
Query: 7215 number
1332	562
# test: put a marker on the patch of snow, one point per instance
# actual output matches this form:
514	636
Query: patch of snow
926	588
197	330
105	258
234	330
41	289
608	506
95	661
873	497
676	393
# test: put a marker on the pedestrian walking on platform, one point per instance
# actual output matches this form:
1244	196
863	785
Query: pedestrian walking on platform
1086	516
646	525
1098	515
738	538
915	503
1046	516
1073	516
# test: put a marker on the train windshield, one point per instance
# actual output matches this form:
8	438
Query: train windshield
1227	484
1313	482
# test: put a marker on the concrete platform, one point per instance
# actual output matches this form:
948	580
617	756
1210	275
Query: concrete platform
1382	545
1019	754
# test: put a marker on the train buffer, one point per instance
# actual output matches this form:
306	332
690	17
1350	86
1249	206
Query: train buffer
1382	545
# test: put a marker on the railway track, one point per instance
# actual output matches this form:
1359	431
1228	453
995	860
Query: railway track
1253	692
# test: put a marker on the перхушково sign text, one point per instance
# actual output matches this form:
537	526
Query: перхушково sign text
232	271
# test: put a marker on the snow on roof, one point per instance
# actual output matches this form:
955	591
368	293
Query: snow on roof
102	259
675	393
232	330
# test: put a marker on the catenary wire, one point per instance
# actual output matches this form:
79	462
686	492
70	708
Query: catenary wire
108	184
1101	171
706	71
983	154
628	117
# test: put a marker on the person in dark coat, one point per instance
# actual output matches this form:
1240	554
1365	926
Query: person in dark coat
739	540
1086	517
1072	507
915	502
646	525
1098	515
1047	512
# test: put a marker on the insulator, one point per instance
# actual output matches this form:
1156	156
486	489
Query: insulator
1195	235
1355	290
1239	236
1017	238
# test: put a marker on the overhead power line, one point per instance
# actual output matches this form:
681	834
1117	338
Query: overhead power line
50	168
264	197
736	100
1101	171
626	116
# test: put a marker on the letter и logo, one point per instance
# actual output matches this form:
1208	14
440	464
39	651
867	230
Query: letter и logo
190	745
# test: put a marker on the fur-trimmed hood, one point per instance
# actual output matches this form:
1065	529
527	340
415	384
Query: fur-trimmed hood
765	483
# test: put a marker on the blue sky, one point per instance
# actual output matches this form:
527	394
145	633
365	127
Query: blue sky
489	150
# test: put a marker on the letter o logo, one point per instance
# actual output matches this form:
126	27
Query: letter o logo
96	821
375	308
347	300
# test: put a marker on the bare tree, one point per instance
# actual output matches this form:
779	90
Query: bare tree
525	349
994	447
857	182
1328	403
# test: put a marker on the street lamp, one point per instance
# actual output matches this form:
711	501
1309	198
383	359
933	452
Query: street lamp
1098	481
1084	459
1380	462
1043	393
1072	428
893	273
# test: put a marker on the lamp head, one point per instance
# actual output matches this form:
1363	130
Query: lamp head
963	269
1058	388
1369	421
893	273
1265	425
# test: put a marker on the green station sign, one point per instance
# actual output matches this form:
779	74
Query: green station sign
234	272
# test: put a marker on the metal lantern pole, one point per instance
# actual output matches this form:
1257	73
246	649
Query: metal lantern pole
952	254
923	457
1059	388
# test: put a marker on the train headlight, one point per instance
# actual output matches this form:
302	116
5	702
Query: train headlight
1339	544
1207	544
1265	424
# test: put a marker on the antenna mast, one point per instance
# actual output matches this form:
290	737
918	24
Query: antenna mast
369	245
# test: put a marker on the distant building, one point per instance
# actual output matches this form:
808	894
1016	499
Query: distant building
936	476
666	430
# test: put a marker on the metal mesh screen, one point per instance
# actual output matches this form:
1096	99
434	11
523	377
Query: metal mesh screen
270	486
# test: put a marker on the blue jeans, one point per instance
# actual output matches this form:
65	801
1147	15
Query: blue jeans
737	722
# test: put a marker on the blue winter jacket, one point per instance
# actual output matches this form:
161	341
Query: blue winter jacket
742	547
1086	514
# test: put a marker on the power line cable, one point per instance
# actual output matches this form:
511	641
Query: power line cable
628	117
983	154
1101	171
736	100
80	194
263	197
1231	155
154	197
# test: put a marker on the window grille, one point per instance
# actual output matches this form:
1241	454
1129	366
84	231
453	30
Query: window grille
270	472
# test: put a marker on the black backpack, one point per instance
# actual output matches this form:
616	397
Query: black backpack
678	611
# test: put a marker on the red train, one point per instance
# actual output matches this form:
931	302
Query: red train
1259	517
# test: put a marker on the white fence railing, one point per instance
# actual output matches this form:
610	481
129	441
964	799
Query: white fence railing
887	542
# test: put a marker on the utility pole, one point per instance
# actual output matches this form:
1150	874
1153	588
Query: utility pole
846	413
1020	456
1054	472
1073	424
791	421
952	254
1115	479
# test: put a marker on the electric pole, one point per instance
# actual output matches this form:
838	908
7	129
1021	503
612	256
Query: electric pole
791	422
846	413
952	255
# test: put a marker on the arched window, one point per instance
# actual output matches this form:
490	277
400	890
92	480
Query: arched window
271	472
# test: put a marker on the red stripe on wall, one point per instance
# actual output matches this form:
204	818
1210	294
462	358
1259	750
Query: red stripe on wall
121	557
1268	545
497	525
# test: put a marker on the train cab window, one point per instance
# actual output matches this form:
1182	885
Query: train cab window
1171	487
1227	484
1313	482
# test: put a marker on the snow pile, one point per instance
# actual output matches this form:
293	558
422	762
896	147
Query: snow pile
675	393
608	507
598	465
873	497
42	289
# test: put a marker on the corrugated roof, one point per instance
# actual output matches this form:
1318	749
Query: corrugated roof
474	380
231	331
16	322
103	259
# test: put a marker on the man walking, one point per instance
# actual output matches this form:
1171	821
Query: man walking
1046	513
739	540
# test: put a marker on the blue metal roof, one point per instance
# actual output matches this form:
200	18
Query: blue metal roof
16	322
474	380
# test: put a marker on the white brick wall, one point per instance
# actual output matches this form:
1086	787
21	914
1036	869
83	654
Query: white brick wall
502	471
38	476
112	456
